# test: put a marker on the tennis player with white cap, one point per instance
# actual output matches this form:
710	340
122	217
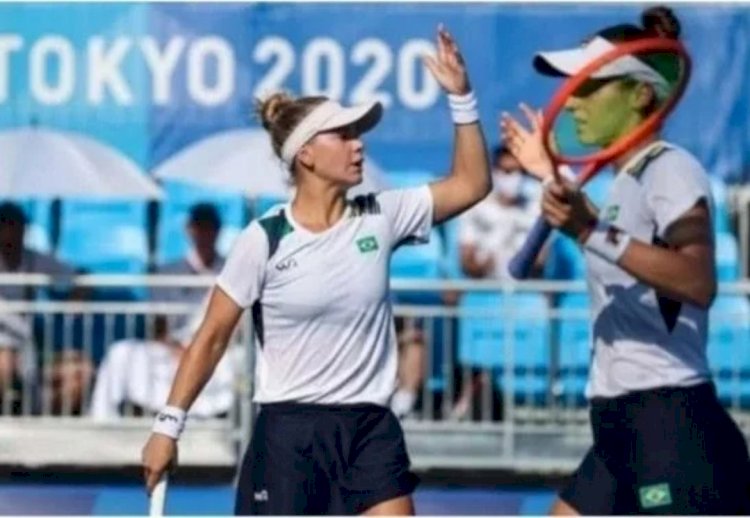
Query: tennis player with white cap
663	444
315	273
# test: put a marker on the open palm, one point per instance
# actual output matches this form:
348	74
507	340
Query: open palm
527	145
448	66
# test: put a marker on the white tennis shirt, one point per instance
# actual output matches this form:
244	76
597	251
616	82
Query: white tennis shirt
320	301
642	339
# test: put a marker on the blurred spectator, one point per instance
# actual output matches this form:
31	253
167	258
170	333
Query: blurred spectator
17	361
491	232
136	375
411	365
16	258
67	372
203	228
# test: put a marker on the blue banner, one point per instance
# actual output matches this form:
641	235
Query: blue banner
150	79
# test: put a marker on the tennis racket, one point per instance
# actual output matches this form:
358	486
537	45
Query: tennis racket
521	264
158	500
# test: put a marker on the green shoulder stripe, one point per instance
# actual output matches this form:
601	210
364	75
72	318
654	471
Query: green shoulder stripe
276	227
637	169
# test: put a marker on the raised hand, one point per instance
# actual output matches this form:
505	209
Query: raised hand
448	66
527	145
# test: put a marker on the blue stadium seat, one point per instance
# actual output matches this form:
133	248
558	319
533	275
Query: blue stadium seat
422	261
482	339
574	345
721	215
727	257
565	260
729	348
104	236
451	261
171	236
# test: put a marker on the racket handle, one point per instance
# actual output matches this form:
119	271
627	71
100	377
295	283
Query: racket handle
158	500
521	263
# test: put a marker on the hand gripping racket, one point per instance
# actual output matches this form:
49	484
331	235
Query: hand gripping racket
521	264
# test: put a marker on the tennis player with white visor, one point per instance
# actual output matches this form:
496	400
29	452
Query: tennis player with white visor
663	444
315	273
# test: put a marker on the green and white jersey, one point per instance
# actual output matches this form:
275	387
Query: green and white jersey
321	302
642	339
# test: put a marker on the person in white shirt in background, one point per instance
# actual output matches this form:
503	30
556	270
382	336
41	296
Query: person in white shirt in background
66	372
135	375
491	232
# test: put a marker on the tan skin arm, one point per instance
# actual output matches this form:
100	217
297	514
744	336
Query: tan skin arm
685	271
197	365
469	179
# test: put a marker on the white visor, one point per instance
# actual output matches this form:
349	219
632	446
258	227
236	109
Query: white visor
330	115
570	62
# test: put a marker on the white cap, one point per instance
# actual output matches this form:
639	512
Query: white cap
571	61
330	115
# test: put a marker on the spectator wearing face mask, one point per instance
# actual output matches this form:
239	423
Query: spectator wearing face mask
492	231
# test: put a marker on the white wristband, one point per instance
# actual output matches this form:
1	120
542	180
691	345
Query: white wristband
463	108
608	242
170	422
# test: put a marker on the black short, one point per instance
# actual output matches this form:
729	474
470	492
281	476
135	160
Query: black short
315	459
663	451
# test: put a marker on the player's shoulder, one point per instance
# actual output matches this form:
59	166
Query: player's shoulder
271	227
665	159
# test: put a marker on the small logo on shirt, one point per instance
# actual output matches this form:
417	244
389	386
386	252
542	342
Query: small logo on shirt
611	213
367	244
613	236
260	496
286	264
655	495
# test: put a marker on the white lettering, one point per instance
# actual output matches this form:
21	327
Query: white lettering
104	71
62	90
8	44
162	65
198	55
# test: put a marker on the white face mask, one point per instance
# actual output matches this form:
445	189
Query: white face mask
507	184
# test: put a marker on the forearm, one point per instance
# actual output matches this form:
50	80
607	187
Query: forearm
196	367
470	166
677	275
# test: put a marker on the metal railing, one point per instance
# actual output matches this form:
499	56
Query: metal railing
503	372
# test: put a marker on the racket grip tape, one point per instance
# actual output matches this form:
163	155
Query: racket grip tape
521	264
158	499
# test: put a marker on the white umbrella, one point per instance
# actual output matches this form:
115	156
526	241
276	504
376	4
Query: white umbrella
243	161
41	163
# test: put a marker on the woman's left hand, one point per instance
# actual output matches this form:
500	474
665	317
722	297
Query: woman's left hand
566	208
448	66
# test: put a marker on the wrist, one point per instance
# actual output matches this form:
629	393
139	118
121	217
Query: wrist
170	421
548	173
463	108
585	233
606	241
